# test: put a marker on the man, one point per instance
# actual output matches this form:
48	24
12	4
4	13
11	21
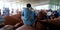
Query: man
28	15
1	18
6	11
49	13
56	13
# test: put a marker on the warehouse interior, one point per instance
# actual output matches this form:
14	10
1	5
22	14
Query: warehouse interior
47	14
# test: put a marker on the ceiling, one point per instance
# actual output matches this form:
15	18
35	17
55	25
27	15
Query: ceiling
33	2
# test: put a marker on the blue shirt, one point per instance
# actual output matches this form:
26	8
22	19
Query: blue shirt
57	14
28	16
6	11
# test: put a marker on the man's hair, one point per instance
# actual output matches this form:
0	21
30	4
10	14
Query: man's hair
28	5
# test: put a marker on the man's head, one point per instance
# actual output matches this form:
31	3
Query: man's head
28	5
